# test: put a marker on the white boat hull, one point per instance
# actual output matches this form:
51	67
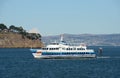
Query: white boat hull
36	55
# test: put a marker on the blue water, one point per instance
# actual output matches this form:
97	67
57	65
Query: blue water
19	63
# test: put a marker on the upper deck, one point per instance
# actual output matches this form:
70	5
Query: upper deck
62	46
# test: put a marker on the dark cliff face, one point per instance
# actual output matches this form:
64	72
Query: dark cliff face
14	40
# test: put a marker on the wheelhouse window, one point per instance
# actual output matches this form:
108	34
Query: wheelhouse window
80	49
55	43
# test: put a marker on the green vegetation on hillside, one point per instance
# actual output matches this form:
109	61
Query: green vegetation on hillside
19	30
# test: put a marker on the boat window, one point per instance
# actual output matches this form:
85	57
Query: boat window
80	49
50	48
53	48
44	48
57	48
74	48
67	49
54	43
83	49
63	48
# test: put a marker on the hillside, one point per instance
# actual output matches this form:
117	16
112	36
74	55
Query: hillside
18	37
15	40
89	39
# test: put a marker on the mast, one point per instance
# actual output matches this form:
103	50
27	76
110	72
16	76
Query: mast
61	39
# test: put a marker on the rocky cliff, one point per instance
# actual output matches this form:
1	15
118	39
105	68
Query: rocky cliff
14	40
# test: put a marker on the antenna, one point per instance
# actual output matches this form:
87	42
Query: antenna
61	39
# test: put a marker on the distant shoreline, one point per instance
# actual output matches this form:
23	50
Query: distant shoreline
20	47
88	39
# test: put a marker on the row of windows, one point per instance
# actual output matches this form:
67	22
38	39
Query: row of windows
63	48
66	53
75	49
50	48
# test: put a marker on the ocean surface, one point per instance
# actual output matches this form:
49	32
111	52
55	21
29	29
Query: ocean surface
19	63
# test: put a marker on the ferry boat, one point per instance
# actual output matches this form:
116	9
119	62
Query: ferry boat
63	50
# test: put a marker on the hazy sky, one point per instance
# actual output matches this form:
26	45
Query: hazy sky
53	17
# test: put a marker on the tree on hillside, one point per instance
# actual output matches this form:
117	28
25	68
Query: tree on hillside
16	29
2	27
38	36
34	36
12	28
19	30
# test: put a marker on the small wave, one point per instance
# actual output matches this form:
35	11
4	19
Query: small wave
103	57
117	57
107	57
